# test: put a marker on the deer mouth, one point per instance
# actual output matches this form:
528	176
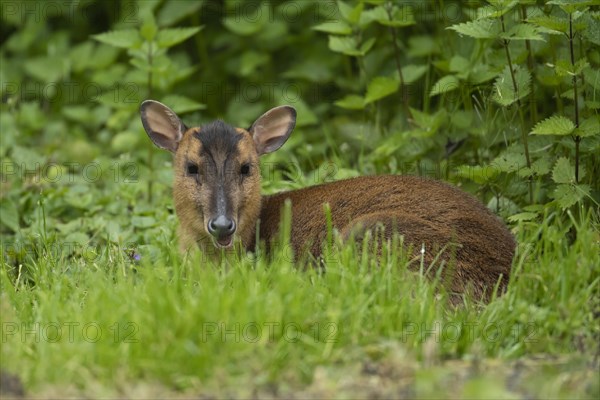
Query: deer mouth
223	242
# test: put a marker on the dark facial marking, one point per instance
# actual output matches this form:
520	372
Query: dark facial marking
219	138
219	148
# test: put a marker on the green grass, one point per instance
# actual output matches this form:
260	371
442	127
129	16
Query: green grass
103	325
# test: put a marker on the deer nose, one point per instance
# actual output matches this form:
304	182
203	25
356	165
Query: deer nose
221	226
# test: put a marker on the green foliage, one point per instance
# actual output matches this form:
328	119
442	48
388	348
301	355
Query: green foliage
505	92
514	86
126	38
381	87
555	125
484	28
503	99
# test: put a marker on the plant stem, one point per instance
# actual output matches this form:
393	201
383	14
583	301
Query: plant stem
426	87
150	149
530	67
403	92
577	137
520	108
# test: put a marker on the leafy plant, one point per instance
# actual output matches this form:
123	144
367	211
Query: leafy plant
148	47
515	84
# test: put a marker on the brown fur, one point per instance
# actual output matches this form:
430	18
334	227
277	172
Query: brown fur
450	225
424	211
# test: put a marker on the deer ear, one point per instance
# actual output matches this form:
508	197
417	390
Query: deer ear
162	125
272	129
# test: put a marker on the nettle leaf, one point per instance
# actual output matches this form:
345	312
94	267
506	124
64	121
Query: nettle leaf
579	66
546	77
541	166
459	64
476	173
366	46
571	6
568	94
524	216
564	67
378	13
421	46
351	102
350	14
9	213
381	87
509	162
411	72
462	119
522	32
592	29
592	105
400	16
523	78
80	56
446	84
551	24
121	96
504	91
569	195
479	29
592	78
429	122
173	11
580	13
45	69
81	114
496	8
589	127
160	64
538	168
143	221
564	172
555	125
250	61
311	70
250	24
344	45
125	38
29	159
79	238
79	196
481	73
170	37
349	45
149	28
386	149
334	27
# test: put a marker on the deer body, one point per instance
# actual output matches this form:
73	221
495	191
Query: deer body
218	202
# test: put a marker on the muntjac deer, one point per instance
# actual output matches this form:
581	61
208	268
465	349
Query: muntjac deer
218	201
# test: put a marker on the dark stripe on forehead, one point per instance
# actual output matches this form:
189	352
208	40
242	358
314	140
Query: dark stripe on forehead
219	138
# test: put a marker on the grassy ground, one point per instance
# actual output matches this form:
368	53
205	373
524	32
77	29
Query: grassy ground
105	324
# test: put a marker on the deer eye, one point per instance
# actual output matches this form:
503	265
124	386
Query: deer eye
192	169
245	169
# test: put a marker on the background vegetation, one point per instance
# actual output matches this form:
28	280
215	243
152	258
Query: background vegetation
499	97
